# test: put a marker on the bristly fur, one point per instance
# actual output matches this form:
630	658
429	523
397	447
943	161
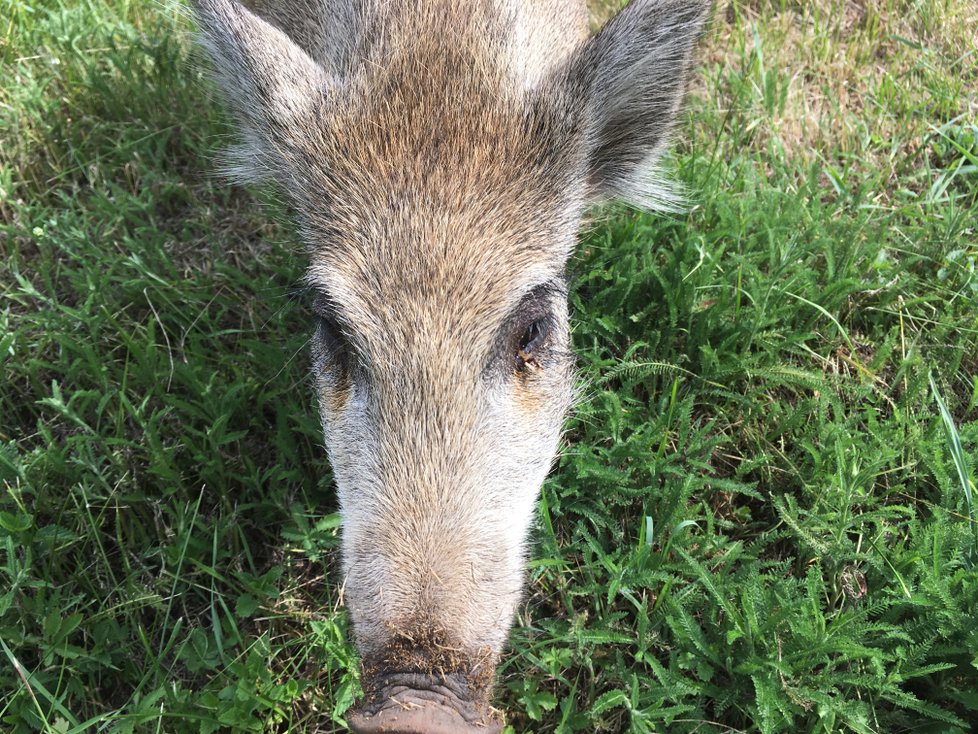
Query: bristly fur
440	157
624	86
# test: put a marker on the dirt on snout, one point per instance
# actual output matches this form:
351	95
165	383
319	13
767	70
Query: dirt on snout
424	684
431	710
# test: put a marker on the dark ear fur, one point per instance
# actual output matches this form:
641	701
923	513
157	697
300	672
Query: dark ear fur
328	31
632	77
273	86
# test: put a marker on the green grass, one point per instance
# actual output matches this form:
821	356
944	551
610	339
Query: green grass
762	520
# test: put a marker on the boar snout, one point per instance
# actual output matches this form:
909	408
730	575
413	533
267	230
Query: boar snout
423	703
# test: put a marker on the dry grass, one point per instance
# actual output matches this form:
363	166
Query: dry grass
829	79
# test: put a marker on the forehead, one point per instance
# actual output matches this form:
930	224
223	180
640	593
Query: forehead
423	266
437	188
441	187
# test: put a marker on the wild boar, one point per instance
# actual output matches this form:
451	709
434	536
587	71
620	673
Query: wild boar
439	156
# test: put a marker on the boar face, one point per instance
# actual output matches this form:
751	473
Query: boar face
440	157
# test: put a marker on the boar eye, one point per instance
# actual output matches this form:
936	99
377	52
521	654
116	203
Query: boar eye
530	344
329	333
532	336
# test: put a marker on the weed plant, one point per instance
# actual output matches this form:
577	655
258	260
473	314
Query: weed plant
763	519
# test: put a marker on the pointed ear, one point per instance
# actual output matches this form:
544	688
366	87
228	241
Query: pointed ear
632	77
272	85
328	31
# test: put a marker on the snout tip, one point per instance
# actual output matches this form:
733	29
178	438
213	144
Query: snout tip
415	703
419	719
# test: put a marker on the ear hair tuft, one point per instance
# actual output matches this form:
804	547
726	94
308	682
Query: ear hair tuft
274	88
633	77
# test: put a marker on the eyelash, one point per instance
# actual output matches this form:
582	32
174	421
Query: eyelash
328	326
330	334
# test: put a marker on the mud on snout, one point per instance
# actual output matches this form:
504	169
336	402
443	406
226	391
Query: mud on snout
424	683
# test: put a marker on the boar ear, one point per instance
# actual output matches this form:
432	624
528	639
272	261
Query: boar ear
275	89
632	77
325	29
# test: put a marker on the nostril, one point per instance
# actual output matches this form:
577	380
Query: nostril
418	703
